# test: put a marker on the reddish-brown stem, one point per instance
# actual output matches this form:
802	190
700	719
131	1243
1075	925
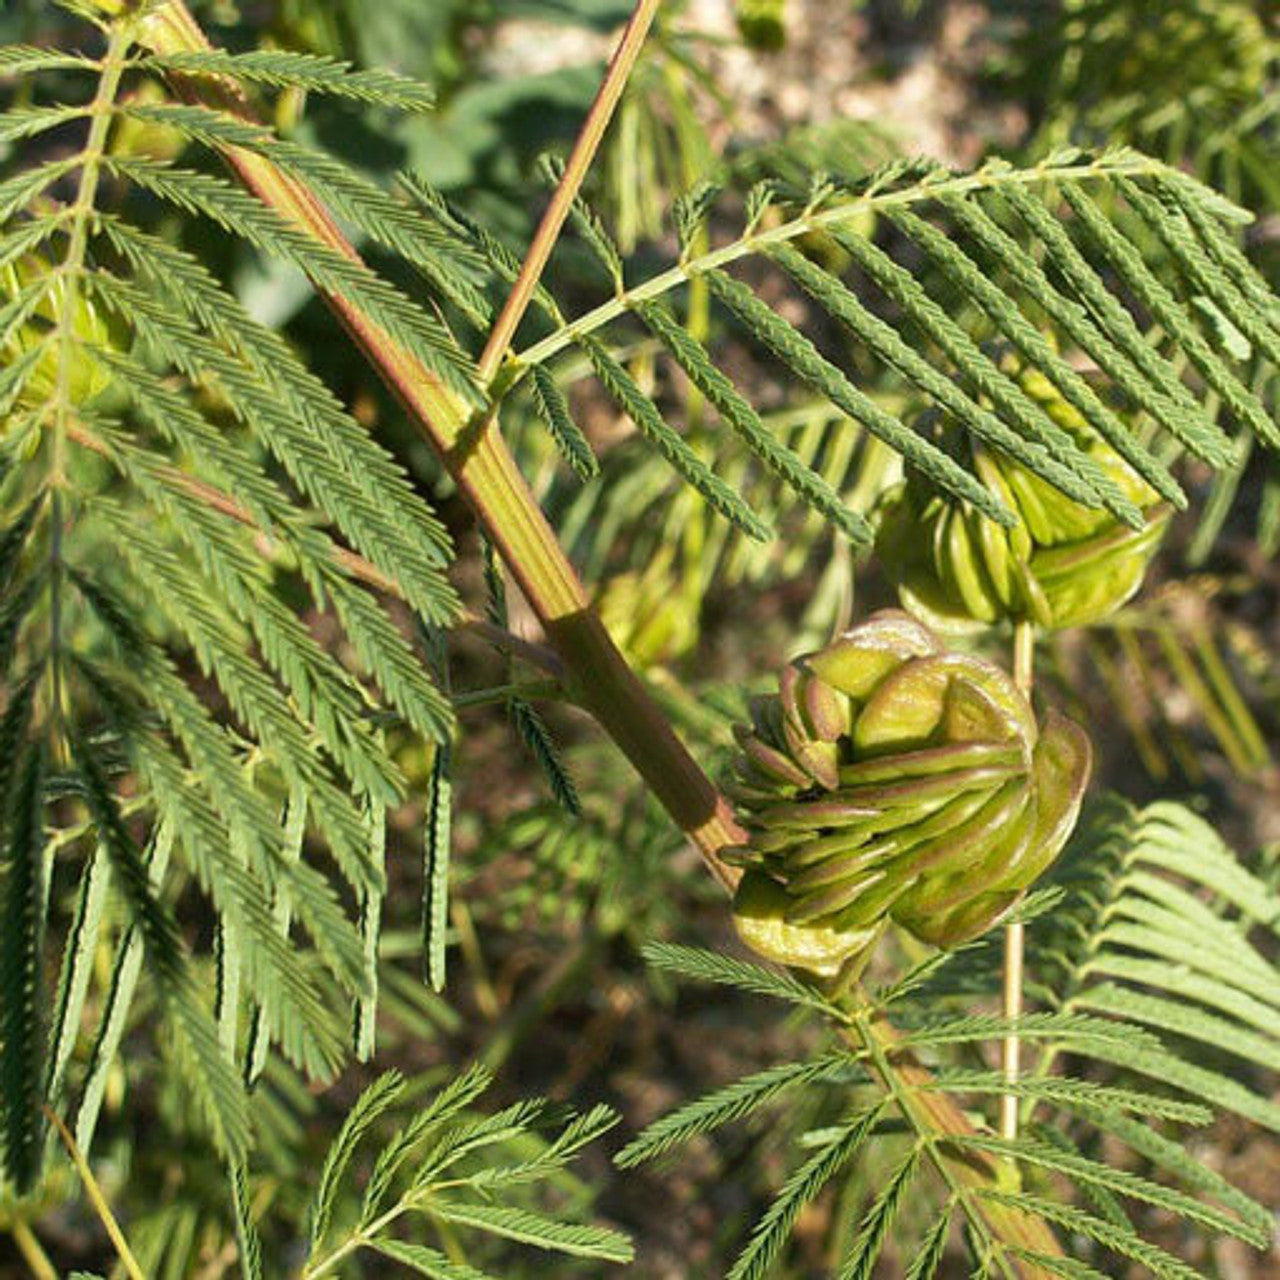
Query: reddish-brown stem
576	169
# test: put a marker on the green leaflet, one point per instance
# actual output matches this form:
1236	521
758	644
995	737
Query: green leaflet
331	272
644	413
800	1188
375	1101
538	1230
553	409
22	905
709	966
437	851
590	225
985	378
425	1160
929	1257
739	414
222	653
386	220
283	987
875	1227
1134	1186
258	1039
247	1238
1084	481
216	1087
77	970
364	1030
800	355
427	1261
286	69
1126	1243
733	1102
1140	372
125	973
1173	317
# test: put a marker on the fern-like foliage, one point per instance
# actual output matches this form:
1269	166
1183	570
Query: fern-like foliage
174	481
1148	983
449	1165
179	494
1125	259
1115	277
1196	86
1184	671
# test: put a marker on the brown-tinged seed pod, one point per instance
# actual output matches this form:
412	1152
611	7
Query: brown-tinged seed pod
922	790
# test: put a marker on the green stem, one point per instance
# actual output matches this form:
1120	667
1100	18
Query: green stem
32	1251
69	272
97	1199
1015	942
994	1224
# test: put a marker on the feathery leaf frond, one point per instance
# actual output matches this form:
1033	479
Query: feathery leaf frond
1069	239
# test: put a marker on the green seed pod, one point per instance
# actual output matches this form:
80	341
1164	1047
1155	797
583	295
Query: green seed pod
1064	565
890	779
763	23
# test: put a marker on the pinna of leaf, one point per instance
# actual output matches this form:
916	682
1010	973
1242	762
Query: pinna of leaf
891	779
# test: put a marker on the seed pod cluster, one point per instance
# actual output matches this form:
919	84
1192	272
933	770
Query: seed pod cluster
1062	565
891	779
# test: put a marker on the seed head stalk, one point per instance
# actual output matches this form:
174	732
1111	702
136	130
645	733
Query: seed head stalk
1024	643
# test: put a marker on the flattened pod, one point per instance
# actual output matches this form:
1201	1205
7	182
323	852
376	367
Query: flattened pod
759	913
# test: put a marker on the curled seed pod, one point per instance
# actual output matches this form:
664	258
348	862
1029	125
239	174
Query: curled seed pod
890	779
1063	565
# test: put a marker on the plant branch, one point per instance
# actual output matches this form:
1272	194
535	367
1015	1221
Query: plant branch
579	163
756	242
936	1118
96	1198
487	477
32	1251
907	1099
